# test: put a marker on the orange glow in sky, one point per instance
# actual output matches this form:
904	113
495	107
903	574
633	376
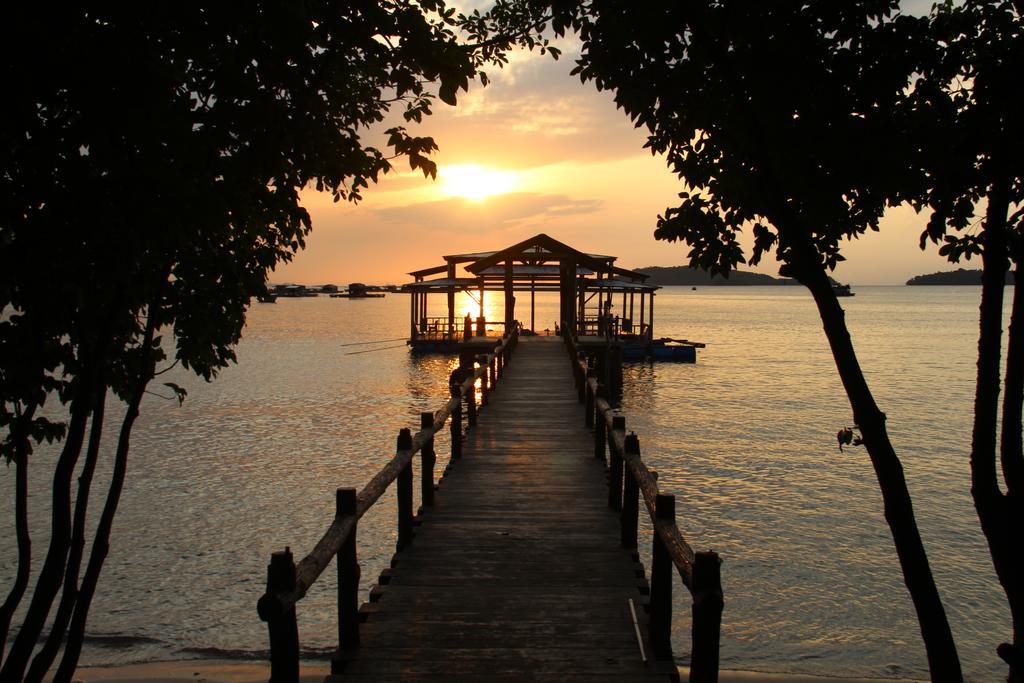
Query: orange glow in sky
471	181
537	151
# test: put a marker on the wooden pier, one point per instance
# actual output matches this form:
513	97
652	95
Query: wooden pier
523	565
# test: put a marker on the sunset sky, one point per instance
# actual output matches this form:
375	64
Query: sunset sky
537	151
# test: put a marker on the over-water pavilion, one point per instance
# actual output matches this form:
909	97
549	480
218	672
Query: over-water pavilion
588	286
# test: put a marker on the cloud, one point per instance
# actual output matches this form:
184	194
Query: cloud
511	211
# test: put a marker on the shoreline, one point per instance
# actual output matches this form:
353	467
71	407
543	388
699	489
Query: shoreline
227	671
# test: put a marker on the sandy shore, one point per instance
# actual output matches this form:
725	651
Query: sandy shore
209	671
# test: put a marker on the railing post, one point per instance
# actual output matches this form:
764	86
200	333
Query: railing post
471	400
492	372
348	574
630	496
456	426
429	457
615	465
580	375
404	489
485	388
660	617
600	426
707	617
589	400
283	628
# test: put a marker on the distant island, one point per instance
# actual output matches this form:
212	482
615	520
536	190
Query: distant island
960	276
685	275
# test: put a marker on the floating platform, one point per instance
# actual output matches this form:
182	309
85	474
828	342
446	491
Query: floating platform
678	350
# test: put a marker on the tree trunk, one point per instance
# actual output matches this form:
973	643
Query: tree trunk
50	575
999	514
943	661
1011	448
21	445
1012	557
101	541
44	659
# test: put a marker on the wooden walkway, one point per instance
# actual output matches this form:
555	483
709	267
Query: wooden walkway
517	572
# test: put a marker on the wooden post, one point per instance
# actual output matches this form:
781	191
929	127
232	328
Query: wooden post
429	457
630	496
492	369
615	465
590	402
456	423
707	617
660	617
404	490
283	628
348	574
600	426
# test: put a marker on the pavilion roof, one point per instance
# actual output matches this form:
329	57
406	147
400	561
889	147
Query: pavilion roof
620	285
444	283
537	253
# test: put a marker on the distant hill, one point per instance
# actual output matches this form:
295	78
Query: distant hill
960	276
685	275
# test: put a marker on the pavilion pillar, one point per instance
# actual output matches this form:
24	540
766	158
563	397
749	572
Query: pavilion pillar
412	312
481	321
565	297
650	321
580	298
533	306
631	321
641	310
510	299
451	302
423	311
573	288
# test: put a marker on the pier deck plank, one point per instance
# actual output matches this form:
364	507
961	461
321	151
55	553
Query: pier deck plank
516	573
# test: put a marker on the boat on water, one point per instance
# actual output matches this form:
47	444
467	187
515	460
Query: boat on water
357	290
842	290
267	298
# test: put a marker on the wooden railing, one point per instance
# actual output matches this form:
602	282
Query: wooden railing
628	478
287	582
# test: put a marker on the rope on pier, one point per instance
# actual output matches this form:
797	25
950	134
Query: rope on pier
383	348
379	341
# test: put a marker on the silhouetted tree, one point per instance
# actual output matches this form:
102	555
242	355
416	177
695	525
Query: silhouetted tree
972	120
782	118
151	159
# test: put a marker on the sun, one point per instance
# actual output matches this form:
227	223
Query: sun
474	182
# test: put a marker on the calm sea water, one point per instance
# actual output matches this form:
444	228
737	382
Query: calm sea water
745	438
